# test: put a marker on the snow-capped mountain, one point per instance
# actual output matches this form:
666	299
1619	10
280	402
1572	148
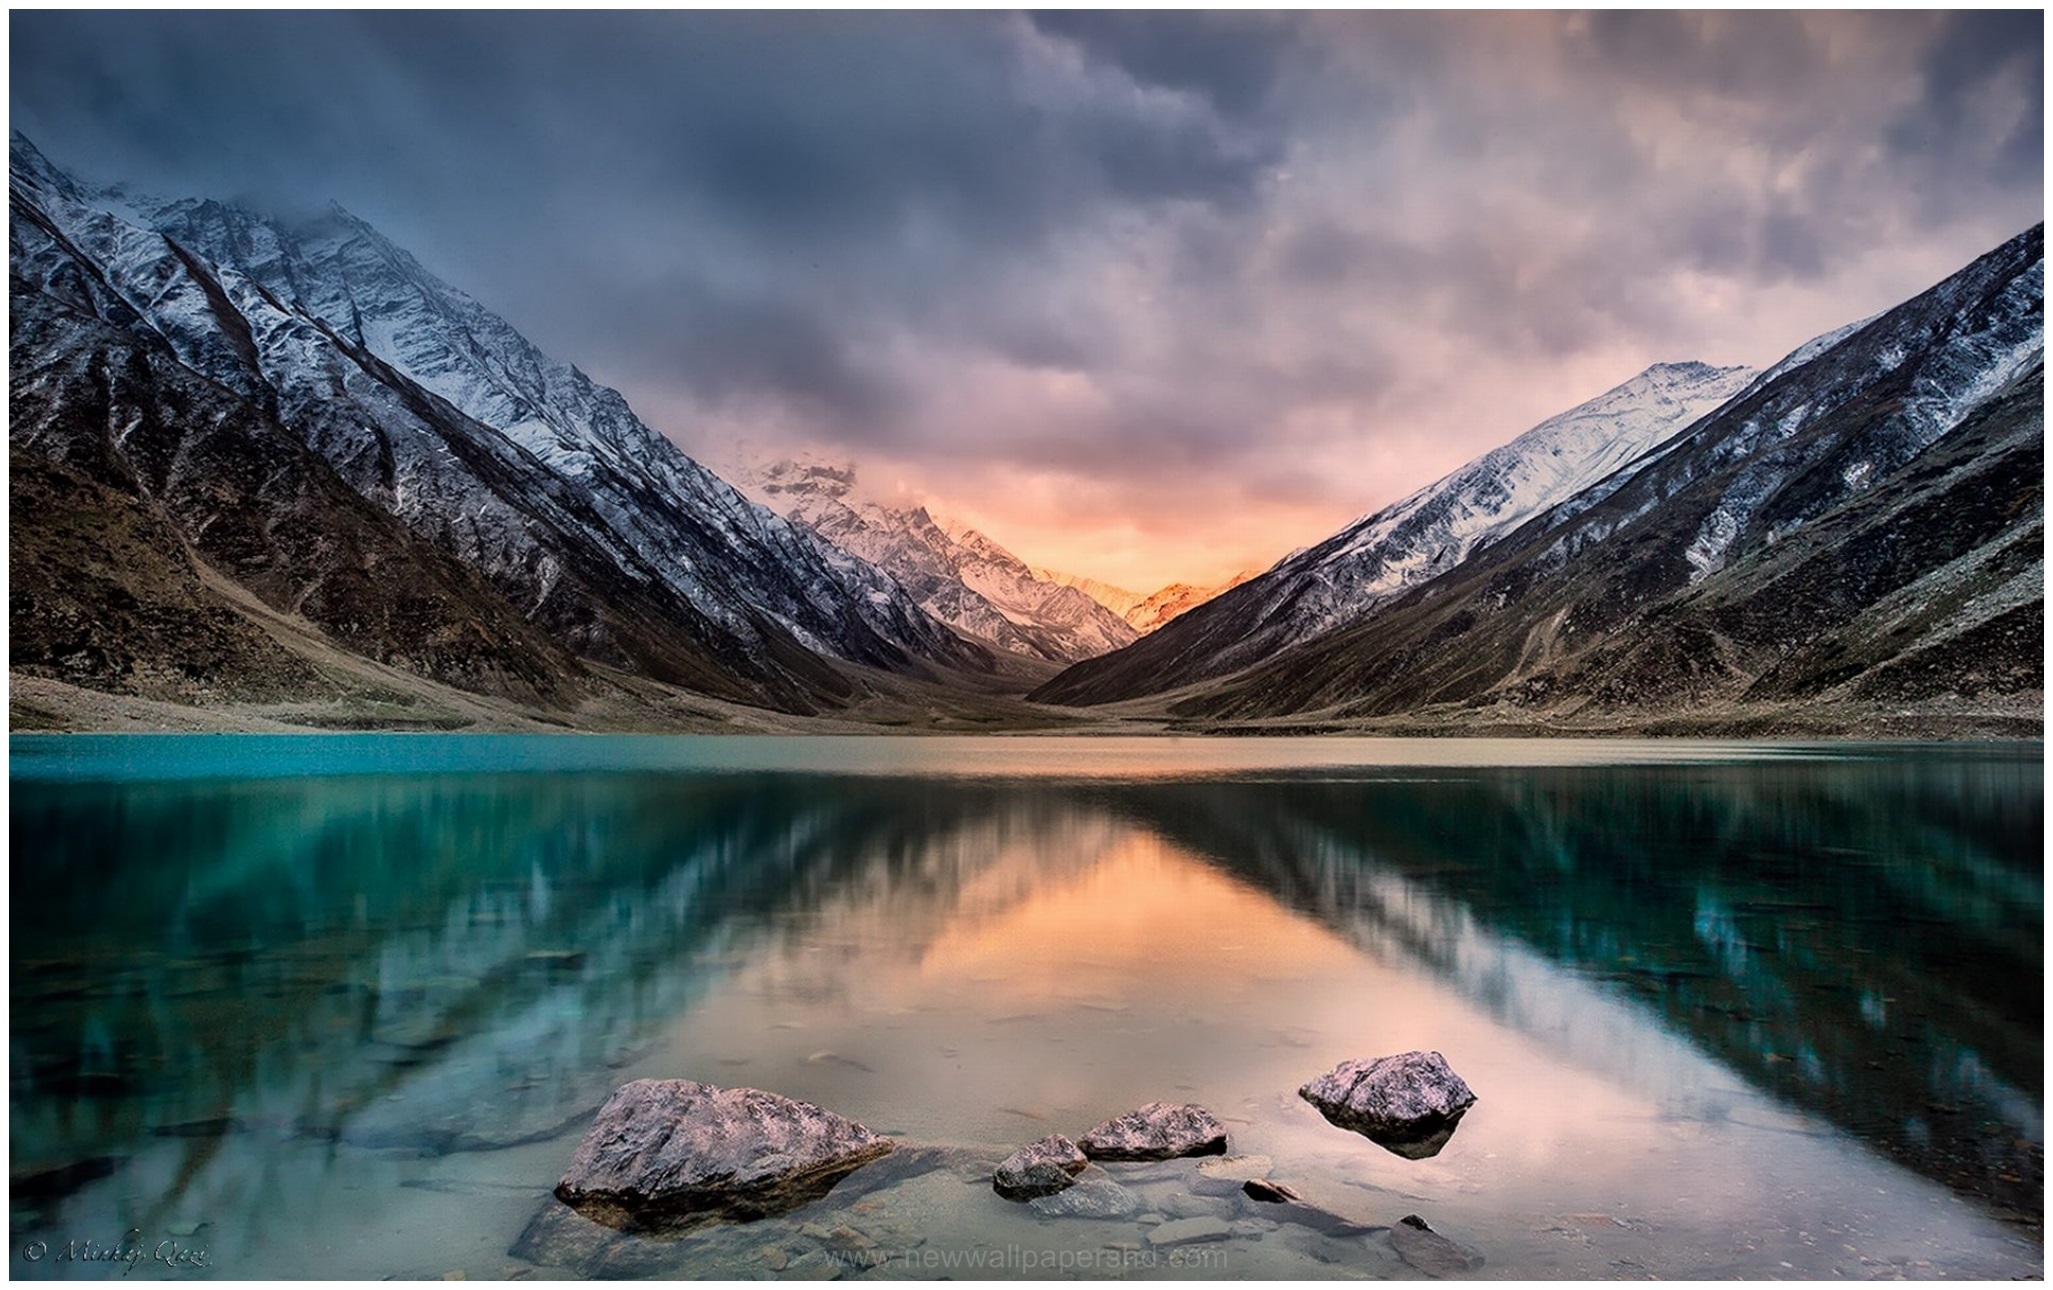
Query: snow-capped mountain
1861	526
957	574
1378	557
595	528
1117	599
1144	613
1436	528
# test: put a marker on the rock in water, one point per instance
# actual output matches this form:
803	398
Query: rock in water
1408	1104
1039	1169
1091	1198
1223	1175
664	1153
1430	1252
1335	1211
1188	1231
1157	1131
559	1237
1269	1193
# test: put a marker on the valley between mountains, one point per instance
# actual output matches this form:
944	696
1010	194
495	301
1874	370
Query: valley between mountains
272	475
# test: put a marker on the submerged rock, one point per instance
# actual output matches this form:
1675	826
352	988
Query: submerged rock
1409	1103
1332	1210
1430	1252
1157	1131
1189	1231
1184	1205
1223	1175
663	1153
1269	1193
1039	1169
1090	1198
560	1237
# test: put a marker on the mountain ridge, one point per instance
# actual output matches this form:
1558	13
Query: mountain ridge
596	530
957	574
1379	556
1643	594
282	466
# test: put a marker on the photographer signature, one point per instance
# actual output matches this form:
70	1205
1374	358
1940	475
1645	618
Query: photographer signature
130	1250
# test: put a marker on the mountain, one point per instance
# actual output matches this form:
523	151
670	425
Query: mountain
956	574
1177	599
1857	537
1375	559
1143	613
300	420
1117	599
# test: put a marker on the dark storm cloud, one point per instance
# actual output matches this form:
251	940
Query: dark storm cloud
846	169
1232	60
1950	126
1138	258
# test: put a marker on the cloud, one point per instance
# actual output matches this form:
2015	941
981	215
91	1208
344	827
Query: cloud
1216	283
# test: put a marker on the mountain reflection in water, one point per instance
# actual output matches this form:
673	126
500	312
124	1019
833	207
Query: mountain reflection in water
463	962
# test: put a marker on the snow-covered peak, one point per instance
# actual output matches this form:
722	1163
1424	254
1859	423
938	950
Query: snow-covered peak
812	477
959	575
1439	525
1117	599
440	411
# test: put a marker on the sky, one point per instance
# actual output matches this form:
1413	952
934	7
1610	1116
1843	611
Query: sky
1146	296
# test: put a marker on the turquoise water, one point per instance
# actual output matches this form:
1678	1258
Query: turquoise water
338	1006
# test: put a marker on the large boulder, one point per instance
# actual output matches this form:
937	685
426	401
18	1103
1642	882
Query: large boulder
670	1152
1157	1131
1409	1103
1039	1169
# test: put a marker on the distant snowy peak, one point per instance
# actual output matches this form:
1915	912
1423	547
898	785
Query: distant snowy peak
1117	599
957	574
1144	613
809	477
1177	599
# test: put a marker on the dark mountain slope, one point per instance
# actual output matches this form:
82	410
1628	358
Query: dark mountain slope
131	477
560	527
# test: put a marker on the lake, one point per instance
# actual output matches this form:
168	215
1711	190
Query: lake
341	1006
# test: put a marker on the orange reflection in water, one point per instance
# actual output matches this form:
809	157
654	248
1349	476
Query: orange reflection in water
1146	914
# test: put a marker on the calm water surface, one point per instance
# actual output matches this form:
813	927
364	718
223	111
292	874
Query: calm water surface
340	1006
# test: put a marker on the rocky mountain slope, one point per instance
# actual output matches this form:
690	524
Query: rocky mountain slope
1862	525
1375	559
304	417
957	574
